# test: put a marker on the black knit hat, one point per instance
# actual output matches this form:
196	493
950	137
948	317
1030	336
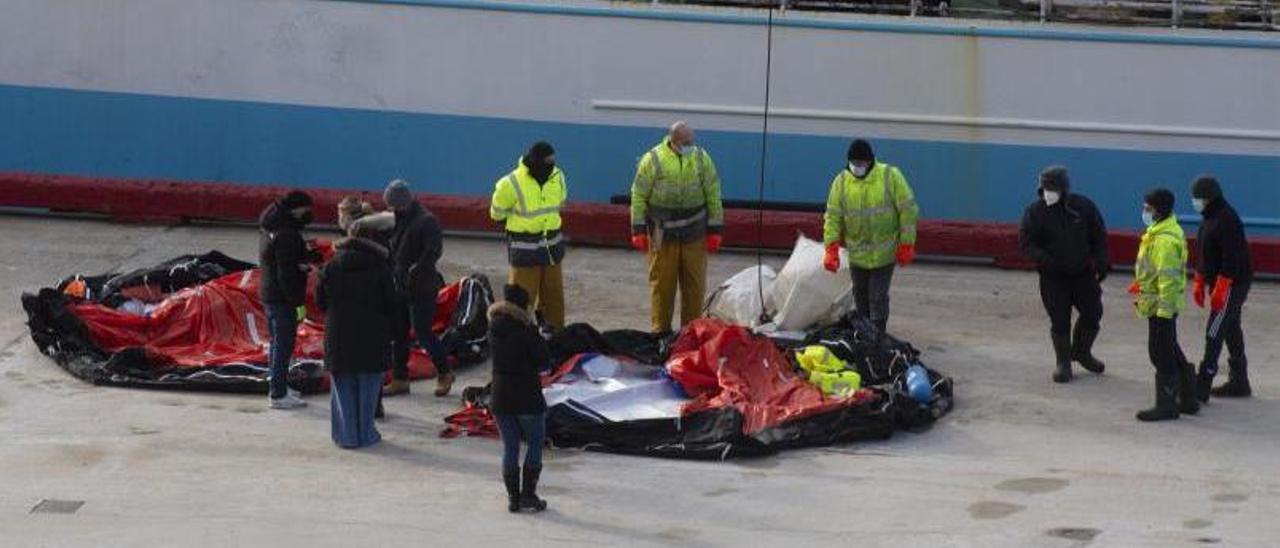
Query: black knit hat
539	152
1055	178
1161	200
295	199
1206	187
860	151
516	295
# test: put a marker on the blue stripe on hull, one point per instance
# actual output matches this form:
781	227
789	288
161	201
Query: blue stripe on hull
141	136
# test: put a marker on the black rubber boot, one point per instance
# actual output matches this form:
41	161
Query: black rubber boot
1082	350
512	480
1062	355
1188	399
1166	400
529	491
1237	385
380	412
1204	384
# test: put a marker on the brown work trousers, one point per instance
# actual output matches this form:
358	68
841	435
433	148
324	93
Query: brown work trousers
545	285
673	265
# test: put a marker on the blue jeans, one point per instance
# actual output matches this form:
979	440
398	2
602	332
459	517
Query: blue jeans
419	315
282	322
353	400
532	429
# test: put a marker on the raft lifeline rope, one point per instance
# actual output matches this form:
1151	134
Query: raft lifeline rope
764	149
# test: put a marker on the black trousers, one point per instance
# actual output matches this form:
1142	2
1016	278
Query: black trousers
1062	293
1226	327
418	316
871	293
1162	345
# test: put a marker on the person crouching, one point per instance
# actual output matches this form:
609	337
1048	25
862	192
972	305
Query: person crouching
519	354
357	292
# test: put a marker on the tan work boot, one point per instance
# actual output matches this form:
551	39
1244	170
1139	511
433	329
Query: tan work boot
395	388
444	383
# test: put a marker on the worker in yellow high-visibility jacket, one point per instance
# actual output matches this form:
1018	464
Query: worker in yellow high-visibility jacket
872	212
528	201
677	217
1159	291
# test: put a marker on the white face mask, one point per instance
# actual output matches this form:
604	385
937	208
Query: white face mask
1148	218
1051	197
684	149
1198	204
859	171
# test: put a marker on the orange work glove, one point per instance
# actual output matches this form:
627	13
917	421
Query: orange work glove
640	242
906	254
831	261
1134	288
713	243
1221	290
1197	290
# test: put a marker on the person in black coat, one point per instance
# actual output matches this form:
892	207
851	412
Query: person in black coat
1223	264
358	295
1066	237
416	246
284	260
519	356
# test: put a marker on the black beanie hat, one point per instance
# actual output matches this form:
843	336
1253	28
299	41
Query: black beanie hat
1160	199
295	199
516	295
1206	187
539	152
1055	178
860	151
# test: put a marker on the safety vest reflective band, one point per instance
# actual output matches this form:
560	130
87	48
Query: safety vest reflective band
521	209
535	246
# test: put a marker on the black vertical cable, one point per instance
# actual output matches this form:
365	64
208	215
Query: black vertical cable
764	150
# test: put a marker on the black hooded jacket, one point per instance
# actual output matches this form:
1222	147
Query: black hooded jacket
1222	246
1066	239
417	242
519	353
358	296
282	253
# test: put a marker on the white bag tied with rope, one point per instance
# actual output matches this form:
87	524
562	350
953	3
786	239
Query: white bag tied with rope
802	296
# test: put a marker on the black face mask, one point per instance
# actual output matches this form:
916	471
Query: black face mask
305	219
541	171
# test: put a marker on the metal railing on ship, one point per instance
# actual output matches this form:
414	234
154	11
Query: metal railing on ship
1213	14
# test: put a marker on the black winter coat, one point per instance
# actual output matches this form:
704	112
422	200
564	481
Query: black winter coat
519	354
416	246
282	254
356	292
1066	239
1222	246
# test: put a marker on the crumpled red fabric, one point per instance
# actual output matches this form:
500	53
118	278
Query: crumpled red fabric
726	365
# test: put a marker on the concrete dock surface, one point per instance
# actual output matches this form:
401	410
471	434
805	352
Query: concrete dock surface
1019	462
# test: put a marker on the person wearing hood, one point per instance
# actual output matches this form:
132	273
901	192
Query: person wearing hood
527	203
1064	234
416	245
520	354
872	213
1223	265
1159	291
677	218
284	260
357	292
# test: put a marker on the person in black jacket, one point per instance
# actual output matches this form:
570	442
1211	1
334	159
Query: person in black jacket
1066	237
358	295
1223	264
285	261
416	245
519	354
